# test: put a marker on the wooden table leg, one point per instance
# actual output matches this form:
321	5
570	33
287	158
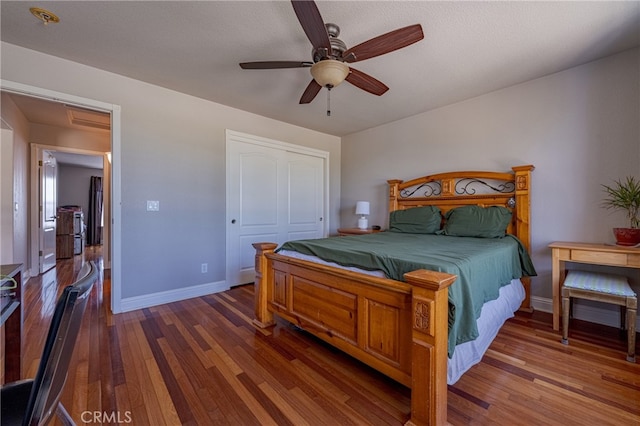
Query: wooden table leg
557	277
632	306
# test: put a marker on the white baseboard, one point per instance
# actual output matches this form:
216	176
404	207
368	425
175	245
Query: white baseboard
169	296
542	304
599	315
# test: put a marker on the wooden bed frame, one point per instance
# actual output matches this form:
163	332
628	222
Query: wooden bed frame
397	327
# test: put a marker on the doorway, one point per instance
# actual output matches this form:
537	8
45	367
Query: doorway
112	178
73	171
47	200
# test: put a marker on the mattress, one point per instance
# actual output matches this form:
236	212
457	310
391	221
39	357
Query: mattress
492	316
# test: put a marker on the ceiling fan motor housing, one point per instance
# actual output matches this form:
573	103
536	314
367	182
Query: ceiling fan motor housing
337	46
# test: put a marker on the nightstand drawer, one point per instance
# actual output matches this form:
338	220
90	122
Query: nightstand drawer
599	257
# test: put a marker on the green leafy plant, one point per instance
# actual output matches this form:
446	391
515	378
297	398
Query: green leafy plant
624	195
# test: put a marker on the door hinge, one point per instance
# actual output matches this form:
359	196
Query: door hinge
40	253
40	163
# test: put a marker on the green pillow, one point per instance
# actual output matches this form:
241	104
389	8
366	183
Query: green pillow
416	220
476	221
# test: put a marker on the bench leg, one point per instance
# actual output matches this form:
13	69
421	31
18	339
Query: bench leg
566	302
631	335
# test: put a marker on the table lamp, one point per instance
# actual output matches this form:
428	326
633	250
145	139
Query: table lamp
362	209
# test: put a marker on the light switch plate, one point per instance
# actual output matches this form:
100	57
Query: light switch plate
153	205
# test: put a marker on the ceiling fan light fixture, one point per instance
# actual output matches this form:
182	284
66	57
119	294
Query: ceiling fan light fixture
329	72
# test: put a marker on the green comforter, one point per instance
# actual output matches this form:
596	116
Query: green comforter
482	265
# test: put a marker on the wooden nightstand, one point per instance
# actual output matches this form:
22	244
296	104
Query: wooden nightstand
595	254
356	231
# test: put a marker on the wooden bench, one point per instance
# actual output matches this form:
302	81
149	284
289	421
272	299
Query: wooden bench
602	288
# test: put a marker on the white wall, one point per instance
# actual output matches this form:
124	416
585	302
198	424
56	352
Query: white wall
74	183
17	121
6	195
173	150
580	128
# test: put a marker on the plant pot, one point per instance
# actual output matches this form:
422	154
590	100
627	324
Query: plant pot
627	236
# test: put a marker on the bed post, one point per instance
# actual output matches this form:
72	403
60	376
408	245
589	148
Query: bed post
523	204
523	220
393	194
430	314
264	318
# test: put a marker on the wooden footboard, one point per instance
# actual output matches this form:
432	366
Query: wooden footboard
398	328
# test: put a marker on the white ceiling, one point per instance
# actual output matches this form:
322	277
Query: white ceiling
80	160
57	114
470	48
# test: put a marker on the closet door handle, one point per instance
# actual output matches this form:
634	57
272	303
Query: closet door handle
233	221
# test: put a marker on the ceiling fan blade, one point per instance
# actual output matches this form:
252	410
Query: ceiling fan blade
385	43
310	92
269	65
312	23
366	82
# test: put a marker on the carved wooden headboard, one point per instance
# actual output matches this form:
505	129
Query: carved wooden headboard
454	189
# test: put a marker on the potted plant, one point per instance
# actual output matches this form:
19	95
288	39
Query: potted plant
625	195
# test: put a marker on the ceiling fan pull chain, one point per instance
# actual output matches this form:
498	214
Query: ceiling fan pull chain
328	101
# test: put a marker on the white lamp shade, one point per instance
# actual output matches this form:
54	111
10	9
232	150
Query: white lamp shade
362	207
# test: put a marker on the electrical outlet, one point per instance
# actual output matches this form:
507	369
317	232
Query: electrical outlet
153	206
204	267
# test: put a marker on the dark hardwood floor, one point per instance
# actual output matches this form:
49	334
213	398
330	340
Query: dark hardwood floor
202	362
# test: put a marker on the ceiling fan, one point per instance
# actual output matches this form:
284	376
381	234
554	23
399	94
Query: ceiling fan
331	56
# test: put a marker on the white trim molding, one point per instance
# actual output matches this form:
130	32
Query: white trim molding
599	313
170	296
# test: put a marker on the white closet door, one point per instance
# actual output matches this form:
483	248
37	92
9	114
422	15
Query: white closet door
273	195
305	198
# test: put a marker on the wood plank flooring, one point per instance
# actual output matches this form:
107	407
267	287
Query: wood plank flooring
202	362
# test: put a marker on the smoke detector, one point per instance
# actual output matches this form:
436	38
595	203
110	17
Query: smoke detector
44	15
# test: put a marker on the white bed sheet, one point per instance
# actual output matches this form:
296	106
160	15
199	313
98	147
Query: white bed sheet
492	316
